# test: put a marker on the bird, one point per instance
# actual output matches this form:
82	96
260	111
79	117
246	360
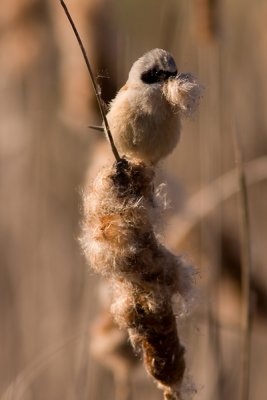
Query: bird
145	116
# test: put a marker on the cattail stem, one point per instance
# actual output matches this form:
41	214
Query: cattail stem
98	97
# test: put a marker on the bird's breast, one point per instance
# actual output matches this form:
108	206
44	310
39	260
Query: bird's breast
143	124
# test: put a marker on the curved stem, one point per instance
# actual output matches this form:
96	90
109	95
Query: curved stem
98	97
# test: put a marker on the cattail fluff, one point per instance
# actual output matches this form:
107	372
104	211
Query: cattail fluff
184	93
122	211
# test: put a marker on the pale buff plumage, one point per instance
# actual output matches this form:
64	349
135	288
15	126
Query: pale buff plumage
145	119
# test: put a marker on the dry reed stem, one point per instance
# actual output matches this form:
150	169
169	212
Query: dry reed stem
203	202
21	384
122	210
96	91
246	268
206	19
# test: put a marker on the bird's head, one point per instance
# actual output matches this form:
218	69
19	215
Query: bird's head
154	67
157	69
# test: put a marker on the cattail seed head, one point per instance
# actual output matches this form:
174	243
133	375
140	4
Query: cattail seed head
121	213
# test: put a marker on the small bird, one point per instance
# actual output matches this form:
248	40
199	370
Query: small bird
145	116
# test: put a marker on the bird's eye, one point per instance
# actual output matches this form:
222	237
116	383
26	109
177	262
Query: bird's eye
150	76
156	75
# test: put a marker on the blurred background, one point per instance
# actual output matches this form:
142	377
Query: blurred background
49	298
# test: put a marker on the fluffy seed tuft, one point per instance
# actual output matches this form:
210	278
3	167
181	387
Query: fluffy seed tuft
122	210
184	93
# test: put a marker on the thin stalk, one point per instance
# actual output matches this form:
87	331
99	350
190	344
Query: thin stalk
122	387
245	249
210	197
98	97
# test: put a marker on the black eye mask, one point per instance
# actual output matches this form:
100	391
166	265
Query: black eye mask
156	75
